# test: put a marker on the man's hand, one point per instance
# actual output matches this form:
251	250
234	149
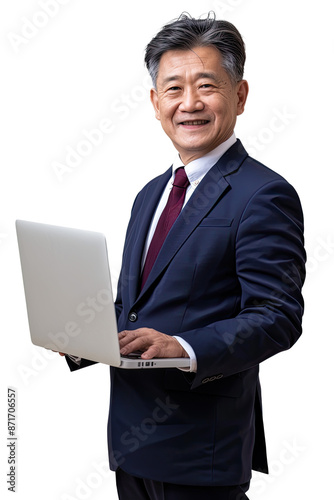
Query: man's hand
153	344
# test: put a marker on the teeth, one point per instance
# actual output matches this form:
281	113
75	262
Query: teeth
195	122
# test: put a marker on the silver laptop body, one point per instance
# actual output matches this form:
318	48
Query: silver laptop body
69	296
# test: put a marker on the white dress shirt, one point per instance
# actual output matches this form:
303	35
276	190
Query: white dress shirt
195	171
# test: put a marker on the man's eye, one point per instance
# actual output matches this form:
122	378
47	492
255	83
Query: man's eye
206	85
174	89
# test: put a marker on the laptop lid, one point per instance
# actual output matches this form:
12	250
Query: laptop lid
69	295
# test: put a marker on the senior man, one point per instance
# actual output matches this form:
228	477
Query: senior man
214	249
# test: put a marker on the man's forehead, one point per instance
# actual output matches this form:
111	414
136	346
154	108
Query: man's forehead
203	62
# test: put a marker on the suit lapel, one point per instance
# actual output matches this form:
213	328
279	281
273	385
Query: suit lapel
210	189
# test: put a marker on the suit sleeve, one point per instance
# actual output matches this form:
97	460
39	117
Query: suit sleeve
270	268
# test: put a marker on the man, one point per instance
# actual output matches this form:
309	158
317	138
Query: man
212	270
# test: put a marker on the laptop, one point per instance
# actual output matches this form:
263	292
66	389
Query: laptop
69	295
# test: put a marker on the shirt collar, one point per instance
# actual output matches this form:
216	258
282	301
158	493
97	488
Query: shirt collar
197	169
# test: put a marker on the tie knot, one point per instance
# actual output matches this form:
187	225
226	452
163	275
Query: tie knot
181	179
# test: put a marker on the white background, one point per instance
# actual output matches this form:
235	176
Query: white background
69	72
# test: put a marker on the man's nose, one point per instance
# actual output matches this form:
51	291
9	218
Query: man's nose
191	101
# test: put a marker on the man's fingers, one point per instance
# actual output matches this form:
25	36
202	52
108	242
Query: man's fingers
130	341
123	334
152	352
132	347
151	343
143	339
60	353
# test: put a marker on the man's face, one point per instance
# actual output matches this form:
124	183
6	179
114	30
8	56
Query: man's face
195	100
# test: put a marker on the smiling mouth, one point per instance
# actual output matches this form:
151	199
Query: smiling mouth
195	122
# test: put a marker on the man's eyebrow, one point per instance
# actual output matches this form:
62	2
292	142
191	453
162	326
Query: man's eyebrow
173	78
169	79
210	76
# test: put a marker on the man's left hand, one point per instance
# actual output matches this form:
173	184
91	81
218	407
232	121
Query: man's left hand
153	344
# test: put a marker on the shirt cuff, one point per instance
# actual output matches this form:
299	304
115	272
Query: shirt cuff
191	353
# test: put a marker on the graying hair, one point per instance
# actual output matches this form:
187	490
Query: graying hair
186	33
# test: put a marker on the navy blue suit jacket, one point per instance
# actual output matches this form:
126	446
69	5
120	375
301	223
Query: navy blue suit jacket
227	280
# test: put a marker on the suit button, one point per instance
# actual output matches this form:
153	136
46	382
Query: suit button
133	316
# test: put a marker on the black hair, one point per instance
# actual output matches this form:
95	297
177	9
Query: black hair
186	33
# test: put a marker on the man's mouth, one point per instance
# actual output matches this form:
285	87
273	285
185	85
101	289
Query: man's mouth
194	122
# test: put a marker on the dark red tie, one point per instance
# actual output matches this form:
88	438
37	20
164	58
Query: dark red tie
167	219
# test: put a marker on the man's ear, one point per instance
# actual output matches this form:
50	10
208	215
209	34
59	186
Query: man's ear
242	93
155	101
